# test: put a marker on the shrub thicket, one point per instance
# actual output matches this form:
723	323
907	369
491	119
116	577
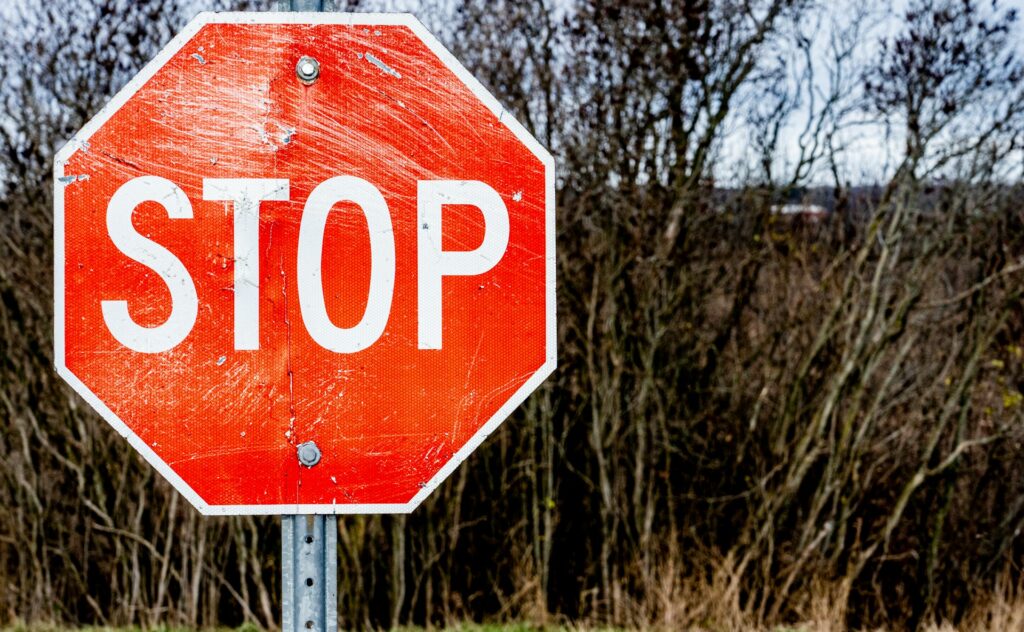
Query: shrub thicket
755	416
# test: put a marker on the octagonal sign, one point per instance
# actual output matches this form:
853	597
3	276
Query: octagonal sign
304	263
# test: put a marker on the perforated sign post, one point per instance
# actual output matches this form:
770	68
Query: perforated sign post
305	264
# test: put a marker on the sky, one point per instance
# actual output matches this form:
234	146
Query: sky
870	150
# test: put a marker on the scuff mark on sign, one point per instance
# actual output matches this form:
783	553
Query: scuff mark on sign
517	196
290	433
199	58
370	57
121	161
423	122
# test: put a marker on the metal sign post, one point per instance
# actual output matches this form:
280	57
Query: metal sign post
309	543
309	573
303	5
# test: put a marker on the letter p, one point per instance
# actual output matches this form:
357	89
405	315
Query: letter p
433	263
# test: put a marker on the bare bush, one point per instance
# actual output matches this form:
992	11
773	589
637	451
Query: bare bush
757	419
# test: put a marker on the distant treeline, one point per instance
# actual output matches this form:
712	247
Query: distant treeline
753	420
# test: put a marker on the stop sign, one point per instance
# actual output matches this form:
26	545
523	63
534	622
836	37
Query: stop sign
304	263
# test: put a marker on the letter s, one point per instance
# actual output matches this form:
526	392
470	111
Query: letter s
184	301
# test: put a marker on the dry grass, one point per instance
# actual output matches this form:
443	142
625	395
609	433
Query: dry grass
714	606
694	606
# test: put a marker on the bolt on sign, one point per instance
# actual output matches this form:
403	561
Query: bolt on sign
305	263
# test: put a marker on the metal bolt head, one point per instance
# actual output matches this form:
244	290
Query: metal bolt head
309	454
307	70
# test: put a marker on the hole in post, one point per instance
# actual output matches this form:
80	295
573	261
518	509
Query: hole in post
309	539
309	581
309	625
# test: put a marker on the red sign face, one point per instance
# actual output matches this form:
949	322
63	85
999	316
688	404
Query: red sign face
304	263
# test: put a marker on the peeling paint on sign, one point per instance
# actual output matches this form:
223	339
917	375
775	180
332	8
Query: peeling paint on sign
378	63
70	179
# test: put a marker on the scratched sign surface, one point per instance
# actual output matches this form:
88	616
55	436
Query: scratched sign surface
247	262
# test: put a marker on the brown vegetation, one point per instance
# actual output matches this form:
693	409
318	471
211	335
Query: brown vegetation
755	421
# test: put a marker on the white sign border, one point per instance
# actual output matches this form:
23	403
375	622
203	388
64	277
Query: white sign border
80	141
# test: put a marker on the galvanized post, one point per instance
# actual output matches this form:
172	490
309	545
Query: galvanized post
302	5
309	573
309	543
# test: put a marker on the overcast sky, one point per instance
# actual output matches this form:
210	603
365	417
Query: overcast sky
869	149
